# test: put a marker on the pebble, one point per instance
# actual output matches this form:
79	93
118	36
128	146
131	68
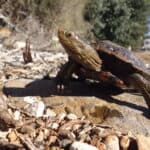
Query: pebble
19	44
65	142
143	142
50	113
112	142
40	137
35	107
62	116
12	136
16	115
55	148
30	130
71	116
3	134
81	146
124	142
54	125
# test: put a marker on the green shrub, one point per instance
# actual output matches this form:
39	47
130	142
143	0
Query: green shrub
119	21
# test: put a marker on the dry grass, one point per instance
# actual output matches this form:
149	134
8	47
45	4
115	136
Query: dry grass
145	56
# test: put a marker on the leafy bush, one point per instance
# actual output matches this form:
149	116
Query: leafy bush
119	21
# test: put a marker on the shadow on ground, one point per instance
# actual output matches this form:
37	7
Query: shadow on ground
46	88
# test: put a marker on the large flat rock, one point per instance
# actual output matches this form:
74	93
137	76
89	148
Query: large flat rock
123	111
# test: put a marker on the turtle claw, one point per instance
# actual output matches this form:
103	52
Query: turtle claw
60	84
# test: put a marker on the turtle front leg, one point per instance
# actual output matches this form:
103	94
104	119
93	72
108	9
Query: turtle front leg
64	75
102	76
142	85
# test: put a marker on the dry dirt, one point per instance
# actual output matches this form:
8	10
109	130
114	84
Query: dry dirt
126	112
145	56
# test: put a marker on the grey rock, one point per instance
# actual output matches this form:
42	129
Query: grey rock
65	142
81	146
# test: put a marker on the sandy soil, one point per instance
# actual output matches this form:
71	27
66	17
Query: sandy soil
124	111
145	56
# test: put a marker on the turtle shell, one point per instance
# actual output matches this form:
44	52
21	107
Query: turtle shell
118	60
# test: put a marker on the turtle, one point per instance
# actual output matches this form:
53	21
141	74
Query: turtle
126	66
83	60
107	61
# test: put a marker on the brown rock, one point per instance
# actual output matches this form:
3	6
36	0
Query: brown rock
5	32
125	142
112	142
40	137
96	142
12	136
26	129
52	139
143	143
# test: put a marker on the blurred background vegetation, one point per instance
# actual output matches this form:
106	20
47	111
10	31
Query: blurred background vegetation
121	21
44	10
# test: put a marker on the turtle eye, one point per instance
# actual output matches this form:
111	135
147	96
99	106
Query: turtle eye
68	34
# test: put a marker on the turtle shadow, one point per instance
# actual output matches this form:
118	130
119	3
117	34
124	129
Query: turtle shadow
48	87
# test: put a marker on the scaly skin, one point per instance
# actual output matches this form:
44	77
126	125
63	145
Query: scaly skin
80	52
83	60
87	58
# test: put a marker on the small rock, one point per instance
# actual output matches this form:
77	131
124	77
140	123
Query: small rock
124	142
35	107
3	134
62	116
4	32
40	137
72	116
67	133
30	99
52	139
101	146
65	142
46	133
143	142
112	142
55	148
49	113
84	137
54	126
19	44
81	146
76	127
96	142
16	115
28	130
12	136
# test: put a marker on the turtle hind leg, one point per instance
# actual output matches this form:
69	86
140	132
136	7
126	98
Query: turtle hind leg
142	85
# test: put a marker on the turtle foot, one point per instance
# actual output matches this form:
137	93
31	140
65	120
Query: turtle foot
141	84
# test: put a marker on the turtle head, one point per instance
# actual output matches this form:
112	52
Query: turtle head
79	51
68	39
